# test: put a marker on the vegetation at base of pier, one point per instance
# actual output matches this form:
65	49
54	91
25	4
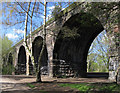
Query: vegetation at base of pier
87	87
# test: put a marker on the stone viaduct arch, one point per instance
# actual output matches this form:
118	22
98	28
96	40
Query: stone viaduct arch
73	50
22	60
36	48
73	47
104	26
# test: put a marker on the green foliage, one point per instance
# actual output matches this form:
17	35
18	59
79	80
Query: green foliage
80	87
71	6
6	45
42	91
87	87
0	54
98	59
56	11
8	69
110	87
30	85
70	33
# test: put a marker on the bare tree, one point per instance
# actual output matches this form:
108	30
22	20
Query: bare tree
38	72
44	44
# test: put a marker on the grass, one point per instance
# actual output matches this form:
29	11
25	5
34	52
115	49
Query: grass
33	86
42	91
30	85
87	87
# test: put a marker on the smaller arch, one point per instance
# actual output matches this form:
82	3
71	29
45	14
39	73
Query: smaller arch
36	49
22	60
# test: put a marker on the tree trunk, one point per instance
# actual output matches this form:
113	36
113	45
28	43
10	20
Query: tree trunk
25	39
26	21
43	46
39	76
30	50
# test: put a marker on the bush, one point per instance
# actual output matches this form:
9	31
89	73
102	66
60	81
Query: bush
7	70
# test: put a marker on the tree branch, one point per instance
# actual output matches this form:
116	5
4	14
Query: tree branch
23	8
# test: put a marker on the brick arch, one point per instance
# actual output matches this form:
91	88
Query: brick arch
73	50
22	59
36	49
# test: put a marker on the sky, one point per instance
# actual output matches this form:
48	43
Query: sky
16	32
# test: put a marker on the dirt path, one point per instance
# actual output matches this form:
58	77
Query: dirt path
15	83
18	84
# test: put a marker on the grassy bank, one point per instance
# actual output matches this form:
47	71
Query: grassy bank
87	87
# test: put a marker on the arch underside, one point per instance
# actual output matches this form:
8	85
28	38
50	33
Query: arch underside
72	45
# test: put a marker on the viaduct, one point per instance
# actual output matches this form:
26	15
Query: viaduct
68	40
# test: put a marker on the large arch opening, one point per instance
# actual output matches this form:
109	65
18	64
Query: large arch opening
36	49
72	45
22	61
